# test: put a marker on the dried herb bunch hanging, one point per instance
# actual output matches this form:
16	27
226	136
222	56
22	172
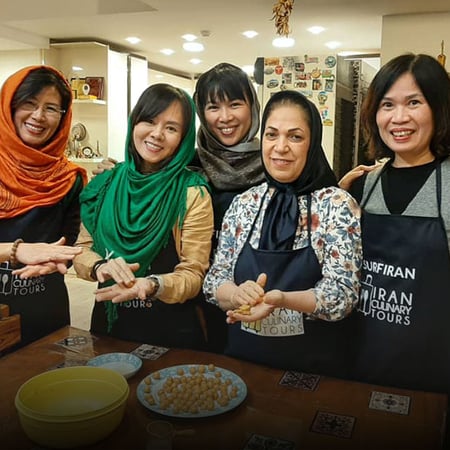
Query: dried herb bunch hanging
281	12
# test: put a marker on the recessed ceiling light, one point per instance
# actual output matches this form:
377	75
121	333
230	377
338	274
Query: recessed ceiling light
167	51
195	61
193	47
333	44
283	42
189	37
248	69
133	40
159	76
77	68
316	29
250	34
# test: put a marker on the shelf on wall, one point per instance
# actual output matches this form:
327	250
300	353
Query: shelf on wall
91	102
86	160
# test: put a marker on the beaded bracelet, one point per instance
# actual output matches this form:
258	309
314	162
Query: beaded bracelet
96	265
13	257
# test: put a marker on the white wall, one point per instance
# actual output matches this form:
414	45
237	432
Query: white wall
417	33
13	60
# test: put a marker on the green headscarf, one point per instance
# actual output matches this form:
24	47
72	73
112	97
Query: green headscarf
131	214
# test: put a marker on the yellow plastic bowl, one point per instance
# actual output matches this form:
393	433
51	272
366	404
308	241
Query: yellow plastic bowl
72	407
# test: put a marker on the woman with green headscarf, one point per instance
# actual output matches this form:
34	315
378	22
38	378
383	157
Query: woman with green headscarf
147	227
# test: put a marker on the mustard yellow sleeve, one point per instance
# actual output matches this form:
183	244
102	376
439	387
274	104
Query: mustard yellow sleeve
193	245
84	262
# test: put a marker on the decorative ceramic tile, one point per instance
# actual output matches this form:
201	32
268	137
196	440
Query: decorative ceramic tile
260	442
390	402
333	424
300	380
147	351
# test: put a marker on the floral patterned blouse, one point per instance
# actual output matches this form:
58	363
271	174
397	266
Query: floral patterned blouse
335	238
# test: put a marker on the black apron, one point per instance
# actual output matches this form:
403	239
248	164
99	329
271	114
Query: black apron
403	338
153	321
319	348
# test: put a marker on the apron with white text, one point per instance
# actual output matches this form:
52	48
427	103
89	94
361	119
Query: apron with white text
403	334
286	339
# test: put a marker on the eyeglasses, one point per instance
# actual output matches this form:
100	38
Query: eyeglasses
48	110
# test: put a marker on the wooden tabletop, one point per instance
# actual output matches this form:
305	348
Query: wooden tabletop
310	412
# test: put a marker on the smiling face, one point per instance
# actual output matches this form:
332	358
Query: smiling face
159	138
35	128
405	122
285	142
228	120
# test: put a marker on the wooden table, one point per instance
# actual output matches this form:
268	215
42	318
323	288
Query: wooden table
270	409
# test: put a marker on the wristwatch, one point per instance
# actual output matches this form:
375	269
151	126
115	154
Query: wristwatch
156	283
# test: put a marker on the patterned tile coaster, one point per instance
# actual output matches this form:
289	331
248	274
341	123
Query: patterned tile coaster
300	380
333	424
260	442
390	402
147	351
75	341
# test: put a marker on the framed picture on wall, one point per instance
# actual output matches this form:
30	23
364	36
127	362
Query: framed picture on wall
96	85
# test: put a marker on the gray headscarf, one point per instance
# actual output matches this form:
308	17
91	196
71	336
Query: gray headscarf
236	167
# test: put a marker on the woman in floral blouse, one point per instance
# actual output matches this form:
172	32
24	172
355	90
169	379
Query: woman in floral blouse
287	264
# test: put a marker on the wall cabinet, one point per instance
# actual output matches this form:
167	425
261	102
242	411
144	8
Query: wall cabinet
105	120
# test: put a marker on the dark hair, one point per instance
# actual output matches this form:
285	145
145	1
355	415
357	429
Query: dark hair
223	81
152	102
37	80
434	83
287	97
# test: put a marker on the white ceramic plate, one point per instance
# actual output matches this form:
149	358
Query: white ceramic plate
126	364
151	386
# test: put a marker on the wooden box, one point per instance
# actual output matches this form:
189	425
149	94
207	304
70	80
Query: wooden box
9	328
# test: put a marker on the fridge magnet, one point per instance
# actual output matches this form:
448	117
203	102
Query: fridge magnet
322	97
330	61
268	70
327	73
271	61
299	67
307	93
279	70
311	59
287	78
329	85
315	73
273	83
316	85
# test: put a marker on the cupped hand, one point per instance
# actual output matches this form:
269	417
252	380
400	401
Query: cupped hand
119	293
249	292
257	312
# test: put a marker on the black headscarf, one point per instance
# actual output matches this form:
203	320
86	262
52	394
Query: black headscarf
282	214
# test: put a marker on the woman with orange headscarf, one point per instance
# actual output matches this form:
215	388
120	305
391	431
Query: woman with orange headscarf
39	206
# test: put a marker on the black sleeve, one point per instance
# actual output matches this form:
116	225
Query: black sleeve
357	188
72	220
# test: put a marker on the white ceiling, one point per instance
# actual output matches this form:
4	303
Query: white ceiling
160	24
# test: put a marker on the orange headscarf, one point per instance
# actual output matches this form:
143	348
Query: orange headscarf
32	177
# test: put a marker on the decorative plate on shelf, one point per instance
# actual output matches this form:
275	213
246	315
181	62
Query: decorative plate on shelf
78	132
191	391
